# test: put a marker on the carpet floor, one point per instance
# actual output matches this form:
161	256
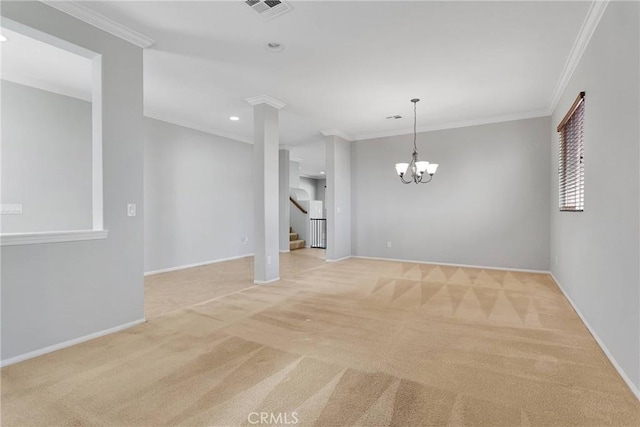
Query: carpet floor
358	342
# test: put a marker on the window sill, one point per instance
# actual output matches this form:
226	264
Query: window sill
11	239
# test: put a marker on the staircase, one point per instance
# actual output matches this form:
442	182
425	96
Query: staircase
294	242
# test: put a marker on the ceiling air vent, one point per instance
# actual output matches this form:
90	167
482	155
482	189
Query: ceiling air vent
269	9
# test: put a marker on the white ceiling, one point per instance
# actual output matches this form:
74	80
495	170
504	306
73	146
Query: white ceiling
347	65
37	64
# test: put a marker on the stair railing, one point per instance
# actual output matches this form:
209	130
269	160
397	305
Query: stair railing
297	205
318	233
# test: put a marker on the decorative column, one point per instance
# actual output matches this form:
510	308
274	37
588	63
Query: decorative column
338	195
266	138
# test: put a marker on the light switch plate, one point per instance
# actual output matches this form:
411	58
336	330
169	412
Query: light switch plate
131	209
11	209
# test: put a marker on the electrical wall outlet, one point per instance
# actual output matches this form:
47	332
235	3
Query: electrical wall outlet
131	209
244	240
389	244
268	260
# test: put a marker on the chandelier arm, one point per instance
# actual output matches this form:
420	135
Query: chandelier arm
403	181
426	182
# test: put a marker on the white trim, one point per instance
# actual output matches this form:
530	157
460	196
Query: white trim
193	126
454	125
285	251
520	270
264	282
312	176
47	38
596	10
97	189
266	99
100	21
339	259
604	348
12	239
337	132
60	346
197	264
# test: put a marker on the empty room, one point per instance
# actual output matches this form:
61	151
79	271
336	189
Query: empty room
320	213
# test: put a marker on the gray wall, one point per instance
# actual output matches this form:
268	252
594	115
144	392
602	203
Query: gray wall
283	196
339	214
595	254
488	204
52	293
198	200
309	185
294	174
46	160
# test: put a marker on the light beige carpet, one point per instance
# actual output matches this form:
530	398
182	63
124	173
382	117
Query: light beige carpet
359	342
177	290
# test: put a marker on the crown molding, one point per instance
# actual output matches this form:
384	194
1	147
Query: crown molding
454	125
337	132
98	20
266	99
591	21
194	126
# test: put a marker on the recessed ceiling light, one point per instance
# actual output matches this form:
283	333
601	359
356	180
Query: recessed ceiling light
3	38
274	47
234	118
321	172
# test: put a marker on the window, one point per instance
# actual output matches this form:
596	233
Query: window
571	162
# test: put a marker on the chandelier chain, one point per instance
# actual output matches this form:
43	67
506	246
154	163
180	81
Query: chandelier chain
415	121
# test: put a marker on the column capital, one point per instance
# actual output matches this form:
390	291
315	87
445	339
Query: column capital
266	99
337	132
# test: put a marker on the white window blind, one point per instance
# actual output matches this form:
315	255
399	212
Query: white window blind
571	157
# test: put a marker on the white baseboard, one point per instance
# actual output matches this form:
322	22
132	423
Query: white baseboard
197	264
60	346
339	259
521	270
285	251
604	348
264	282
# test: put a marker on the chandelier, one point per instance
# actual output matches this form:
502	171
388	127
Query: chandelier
416	166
